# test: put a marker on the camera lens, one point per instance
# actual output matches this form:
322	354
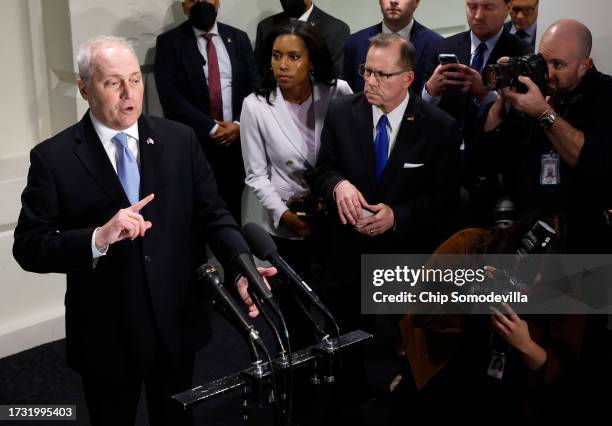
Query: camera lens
491	77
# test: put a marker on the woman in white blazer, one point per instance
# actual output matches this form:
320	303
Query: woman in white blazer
281	125
280	129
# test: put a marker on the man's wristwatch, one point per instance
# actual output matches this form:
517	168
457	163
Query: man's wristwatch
548	120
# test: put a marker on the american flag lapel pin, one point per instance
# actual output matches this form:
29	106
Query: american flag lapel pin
409	117
150	141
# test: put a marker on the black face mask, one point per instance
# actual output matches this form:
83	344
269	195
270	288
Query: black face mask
293	8
202	15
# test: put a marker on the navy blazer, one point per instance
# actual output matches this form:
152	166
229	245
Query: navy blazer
141	288
332	30
508	27
357	46
181	82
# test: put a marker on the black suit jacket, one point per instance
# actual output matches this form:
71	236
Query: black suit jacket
458	104
143	292
332	30
183	92
181	82
420	182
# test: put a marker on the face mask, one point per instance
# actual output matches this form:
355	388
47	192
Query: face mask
202	15
293	8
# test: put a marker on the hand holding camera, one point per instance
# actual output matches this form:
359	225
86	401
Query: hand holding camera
521	81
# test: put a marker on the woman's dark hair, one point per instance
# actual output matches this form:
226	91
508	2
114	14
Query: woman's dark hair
323	70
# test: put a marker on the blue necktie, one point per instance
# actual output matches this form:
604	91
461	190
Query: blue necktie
127	168
478	59
381	147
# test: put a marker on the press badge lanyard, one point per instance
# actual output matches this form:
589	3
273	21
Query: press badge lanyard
497	360
550	169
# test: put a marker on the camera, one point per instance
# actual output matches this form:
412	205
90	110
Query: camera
506	74
537	240
307	207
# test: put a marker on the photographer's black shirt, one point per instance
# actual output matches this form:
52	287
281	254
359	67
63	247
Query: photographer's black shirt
514	152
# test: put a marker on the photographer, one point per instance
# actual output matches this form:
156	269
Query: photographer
518	366
555	150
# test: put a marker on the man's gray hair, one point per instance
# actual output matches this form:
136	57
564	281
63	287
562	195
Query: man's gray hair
87	49
408	55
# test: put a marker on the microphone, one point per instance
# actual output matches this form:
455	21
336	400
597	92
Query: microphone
264	247
208	274
235	249
245	264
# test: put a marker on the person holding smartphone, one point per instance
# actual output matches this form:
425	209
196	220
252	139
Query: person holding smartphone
458	89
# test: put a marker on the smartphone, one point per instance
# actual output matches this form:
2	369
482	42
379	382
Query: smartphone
366	213
447	58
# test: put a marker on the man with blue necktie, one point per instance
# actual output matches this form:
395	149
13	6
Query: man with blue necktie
389	165
458	88
121	204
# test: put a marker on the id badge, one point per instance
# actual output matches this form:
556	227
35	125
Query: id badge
550	172
497	363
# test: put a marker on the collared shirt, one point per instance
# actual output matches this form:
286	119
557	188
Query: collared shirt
404	32
106	134
490	45
394	120
475	41
306	15
225	68
531	32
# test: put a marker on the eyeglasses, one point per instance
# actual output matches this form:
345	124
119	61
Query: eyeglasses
378	75
526	10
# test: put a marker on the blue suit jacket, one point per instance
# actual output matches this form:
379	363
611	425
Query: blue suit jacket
356	49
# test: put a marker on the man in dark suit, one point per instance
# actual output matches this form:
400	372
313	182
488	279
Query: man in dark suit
398	18
454	88
389	163
332	30
133	311
524	21
459	90
202	83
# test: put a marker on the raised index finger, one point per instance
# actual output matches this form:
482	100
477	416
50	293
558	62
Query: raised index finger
140	204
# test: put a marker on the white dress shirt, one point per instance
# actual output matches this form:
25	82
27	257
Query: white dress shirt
106	134
306	15
404	32
225	69
394	120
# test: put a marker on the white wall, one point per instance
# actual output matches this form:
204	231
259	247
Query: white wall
19	111
595	14
40	98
